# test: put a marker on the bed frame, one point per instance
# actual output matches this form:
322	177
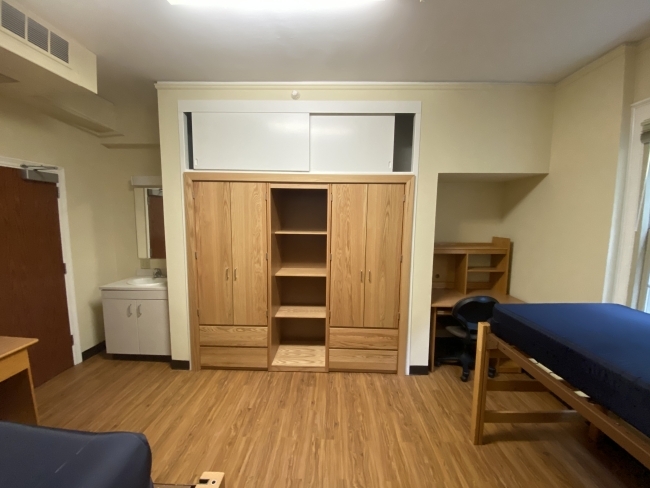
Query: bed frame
490	346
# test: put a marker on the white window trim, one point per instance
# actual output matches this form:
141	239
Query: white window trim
64	226
619	267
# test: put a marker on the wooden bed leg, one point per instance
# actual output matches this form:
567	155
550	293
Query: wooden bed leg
480	382
594	433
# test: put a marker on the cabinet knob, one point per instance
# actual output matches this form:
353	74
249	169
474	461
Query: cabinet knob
128	311
369	276
235	275
138	310
227	271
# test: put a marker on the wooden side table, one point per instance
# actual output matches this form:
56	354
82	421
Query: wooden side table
17	399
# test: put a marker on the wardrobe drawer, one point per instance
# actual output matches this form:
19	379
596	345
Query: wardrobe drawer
234	357
363	360
232	335
359	338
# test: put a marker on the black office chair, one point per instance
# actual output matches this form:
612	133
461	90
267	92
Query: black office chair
468	312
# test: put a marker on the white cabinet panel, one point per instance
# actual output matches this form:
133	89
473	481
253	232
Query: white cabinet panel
251	141
153	327
121	326
352	143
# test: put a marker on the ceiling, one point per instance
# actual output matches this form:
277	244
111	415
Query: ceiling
393	40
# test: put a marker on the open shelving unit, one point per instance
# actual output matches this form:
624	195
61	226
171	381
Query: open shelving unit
299	265
465	267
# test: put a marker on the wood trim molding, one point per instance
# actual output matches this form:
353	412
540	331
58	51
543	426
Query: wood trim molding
405	276
304	178
193	305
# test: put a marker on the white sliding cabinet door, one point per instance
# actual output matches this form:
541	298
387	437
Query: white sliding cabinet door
352	143
251	141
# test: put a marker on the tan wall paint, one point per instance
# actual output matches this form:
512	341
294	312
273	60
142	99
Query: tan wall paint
100	201
465	128
469	211
642	75
561	223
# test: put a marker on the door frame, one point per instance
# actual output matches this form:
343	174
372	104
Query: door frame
64	226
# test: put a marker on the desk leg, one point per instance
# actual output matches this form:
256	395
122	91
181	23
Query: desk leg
17	399
432	338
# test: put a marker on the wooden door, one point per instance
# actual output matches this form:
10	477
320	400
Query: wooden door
32	282
156	220
383	255
250	285
348	243
213	252
121	326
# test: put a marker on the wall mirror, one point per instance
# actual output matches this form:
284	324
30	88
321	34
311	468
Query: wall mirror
149	219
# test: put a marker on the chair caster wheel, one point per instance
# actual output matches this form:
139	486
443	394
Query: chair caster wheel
492	372
464	377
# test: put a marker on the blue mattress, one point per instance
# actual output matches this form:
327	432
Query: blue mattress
601	349
39	457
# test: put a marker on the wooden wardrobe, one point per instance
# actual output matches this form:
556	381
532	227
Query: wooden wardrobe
299	272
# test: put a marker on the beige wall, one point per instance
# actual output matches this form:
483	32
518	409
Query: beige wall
561	223
100	200
642	74
465	128
469	211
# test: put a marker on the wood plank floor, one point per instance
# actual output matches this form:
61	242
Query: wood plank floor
328	430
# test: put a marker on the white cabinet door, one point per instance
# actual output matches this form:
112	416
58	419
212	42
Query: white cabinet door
352	143
251	141
120	326
153	327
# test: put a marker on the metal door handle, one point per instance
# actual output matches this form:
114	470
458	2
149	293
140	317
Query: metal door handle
361	272
138	310
369	276
235	275
128	310
227	270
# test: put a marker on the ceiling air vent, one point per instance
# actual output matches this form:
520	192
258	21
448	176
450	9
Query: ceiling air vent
13	20
37	34
59	47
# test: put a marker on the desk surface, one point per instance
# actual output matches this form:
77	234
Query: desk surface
11	345
443	298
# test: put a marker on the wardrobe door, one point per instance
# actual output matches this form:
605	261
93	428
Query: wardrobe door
348	243
250	285
383	255
213	252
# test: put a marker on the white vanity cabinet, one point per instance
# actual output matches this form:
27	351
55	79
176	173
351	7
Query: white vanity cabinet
136	321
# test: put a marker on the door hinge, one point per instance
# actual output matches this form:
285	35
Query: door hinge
330	256
196	256
401	258
330	316
266	198
193	195
267	256
198	314
399	315
404	198
267	314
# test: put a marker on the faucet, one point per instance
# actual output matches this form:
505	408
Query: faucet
157	273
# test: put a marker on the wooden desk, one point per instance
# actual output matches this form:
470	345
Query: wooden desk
17	399
443	300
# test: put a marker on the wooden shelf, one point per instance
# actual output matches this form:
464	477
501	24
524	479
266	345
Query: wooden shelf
469	248
301	232
305	270
300	312
482	269
299	357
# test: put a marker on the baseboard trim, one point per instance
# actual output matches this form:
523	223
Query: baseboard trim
141	357
93	351
180	365
419	370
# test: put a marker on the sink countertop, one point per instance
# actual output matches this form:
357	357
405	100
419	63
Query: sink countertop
124	285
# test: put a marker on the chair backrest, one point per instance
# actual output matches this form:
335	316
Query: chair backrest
472	310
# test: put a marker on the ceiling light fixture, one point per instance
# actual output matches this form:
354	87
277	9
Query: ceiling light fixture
275	5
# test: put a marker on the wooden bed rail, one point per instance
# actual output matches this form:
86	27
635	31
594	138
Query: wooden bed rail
637	444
